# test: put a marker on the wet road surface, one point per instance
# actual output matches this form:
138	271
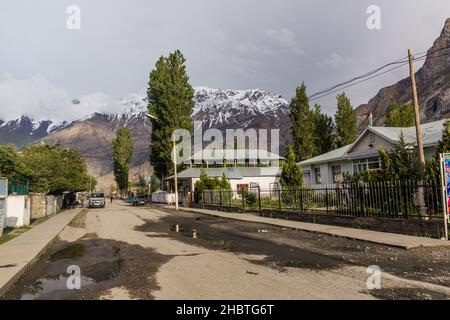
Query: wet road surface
153	253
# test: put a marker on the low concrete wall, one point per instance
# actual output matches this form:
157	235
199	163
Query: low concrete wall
415	227
17	211
163	197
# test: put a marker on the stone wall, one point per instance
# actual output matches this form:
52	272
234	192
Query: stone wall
42	205
38	205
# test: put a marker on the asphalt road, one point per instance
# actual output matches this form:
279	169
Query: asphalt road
138	253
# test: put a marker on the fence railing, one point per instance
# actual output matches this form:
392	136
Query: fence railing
394	199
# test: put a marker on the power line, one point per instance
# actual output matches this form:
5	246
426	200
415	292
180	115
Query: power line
373	74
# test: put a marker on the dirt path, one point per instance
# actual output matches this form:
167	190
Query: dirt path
136	253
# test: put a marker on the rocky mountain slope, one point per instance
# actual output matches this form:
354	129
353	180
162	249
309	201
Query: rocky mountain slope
222	109
433	85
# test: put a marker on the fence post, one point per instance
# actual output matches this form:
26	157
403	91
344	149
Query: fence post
301	200
220	197
279	199
203	198
326	197
361	188
259	199
243	201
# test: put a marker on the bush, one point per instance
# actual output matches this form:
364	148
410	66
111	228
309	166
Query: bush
250	198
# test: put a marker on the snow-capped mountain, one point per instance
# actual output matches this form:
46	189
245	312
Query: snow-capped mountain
241	108
25	130
92	135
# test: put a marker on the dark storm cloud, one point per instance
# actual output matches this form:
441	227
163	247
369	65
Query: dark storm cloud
272	44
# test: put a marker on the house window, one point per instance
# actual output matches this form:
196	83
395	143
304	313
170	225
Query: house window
370	164
336	173
307	178
317	176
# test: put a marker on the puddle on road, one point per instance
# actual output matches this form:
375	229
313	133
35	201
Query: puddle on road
104	264
50	285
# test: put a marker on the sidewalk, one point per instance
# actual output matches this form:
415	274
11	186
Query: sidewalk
21	252
385	238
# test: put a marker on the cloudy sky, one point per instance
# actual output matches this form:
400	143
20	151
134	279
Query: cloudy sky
267	44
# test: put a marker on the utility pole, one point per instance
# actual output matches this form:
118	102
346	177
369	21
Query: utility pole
415	98
175	173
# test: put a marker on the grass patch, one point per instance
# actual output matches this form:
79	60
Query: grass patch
5	238
71	252
11	233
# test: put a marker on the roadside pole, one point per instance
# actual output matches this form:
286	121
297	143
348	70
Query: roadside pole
175	176
444	193
415	98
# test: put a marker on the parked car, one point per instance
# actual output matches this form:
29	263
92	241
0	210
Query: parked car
139	201
97	200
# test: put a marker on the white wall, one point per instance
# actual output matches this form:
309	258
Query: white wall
17	211
164	197
2	217
263	182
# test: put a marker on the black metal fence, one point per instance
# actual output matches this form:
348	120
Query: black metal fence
396	199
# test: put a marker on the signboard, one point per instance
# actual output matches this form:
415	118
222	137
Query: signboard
3	188
446	179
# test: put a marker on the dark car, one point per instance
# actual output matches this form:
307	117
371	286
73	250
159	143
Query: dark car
139	201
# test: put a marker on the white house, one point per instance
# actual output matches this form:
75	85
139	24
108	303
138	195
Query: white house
363	154
267	178
242	168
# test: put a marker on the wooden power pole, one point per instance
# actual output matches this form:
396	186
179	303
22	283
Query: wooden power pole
415	98
175	175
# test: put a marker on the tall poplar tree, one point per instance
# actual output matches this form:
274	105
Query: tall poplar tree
323	131
345	119
122	153
400	116
303	126
171	101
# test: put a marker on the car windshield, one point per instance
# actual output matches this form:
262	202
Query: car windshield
97	195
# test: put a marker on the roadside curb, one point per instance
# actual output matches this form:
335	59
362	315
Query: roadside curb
383	238
5	286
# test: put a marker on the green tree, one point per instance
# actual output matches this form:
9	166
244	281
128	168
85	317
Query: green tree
207	183
432	169
323	131
55	170
303	126
404	159
171	101
400	116
122	153
11	165
386	172
345	119
291	174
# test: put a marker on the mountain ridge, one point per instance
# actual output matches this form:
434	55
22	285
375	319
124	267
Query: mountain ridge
433	85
